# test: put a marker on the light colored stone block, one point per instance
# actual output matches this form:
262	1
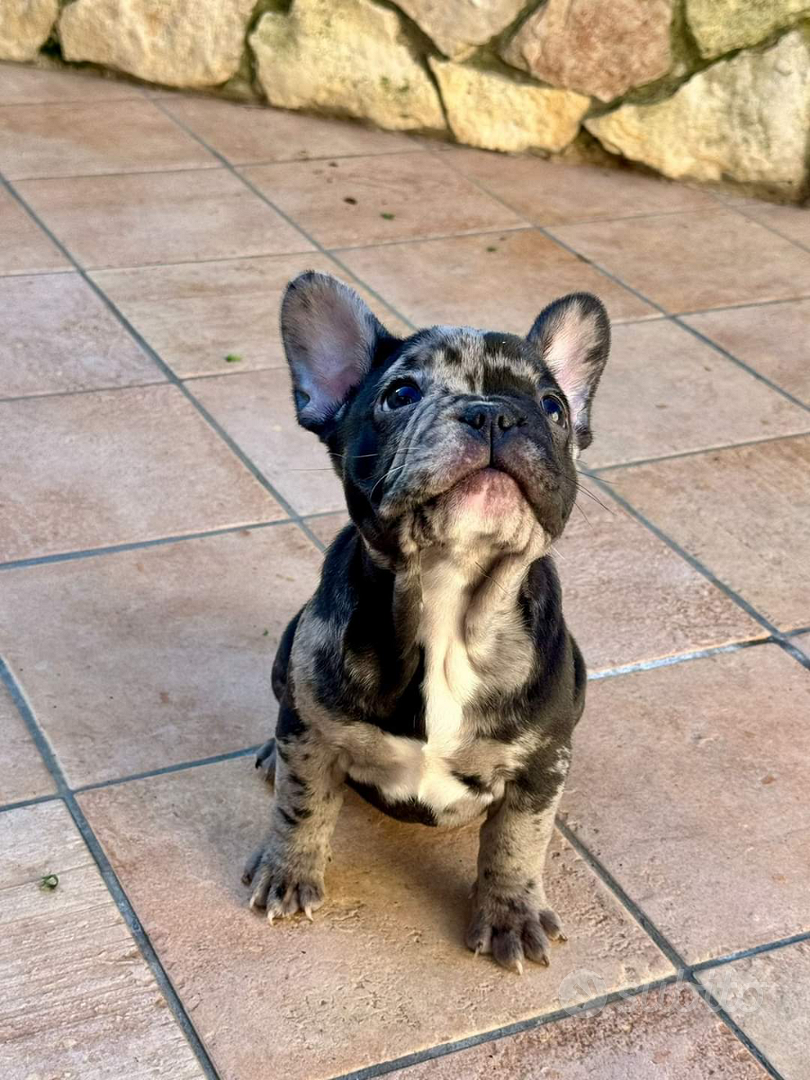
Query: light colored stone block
722	25
746	119
496	112
459	26
345	56
183	43
25	26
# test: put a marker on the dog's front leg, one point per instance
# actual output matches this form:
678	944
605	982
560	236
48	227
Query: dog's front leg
511	916
287	872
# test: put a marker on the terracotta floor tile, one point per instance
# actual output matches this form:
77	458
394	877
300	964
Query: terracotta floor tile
23	774
548	193
25	248
702	815
135	220
78	998
58	335
196	314
668	1034
657	385
461	280
767	995
383	968
628	598
256	410
421	195
74	139
695	261
792	222
742	512
116	466
156	656
249	134
769	337
20	85
327	527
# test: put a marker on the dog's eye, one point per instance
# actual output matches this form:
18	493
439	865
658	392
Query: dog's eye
402	394
553	408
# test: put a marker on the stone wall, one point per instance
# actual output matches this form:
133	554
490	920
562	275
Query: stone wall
713	90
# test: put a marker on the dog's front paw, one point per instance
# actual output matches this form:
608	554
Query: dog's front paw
512	927
283	886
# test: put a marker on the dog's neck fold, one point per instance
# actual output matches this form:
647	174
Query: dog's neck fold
456	599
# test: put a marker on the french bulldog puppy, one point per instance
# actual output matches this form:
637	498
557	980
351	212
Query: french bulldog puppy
432	671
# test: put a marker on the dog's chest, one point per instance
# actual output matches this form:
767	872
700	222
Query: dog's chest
443	772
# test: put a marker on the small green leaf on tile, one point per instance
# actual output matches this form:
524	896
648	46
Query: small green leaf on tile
232	358
492	248
265	633
49	882
387	216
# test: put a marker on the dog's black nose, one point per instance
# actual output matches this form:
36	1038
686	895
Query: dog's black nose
491	418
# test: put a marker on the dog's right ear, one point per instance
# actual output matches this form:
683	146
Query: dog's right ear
329	336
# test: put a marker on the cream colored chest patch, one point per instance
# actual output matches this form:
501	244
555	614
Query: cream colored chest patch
424	770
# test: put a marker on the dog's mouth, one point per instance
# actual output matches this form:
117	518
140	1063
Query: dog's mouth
490	492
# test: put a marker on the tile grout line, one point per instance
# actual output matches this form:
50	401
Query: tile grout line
283	214
418	1057
747	954
694	313
596	471
744	213
684	971
672	317
140	545
678	321
110	878
48	394
706	995
604	875
168	770
170	375
679	658
779	637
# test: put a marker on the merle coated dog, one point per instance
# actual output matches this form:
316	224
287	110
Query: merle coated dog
432	671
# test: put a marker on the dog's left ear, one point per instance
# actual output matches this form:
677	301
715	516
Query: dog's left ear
572	336
329	336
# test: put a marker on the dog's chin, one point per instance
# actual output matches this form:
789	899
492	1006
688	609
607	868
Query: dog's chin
488	505
487	495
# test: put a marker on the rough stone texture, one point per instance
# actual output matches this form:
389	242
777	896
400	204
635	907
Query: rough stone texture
183	43
495	112
349	56
25	26
458	26
722	25
745	119
594	47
